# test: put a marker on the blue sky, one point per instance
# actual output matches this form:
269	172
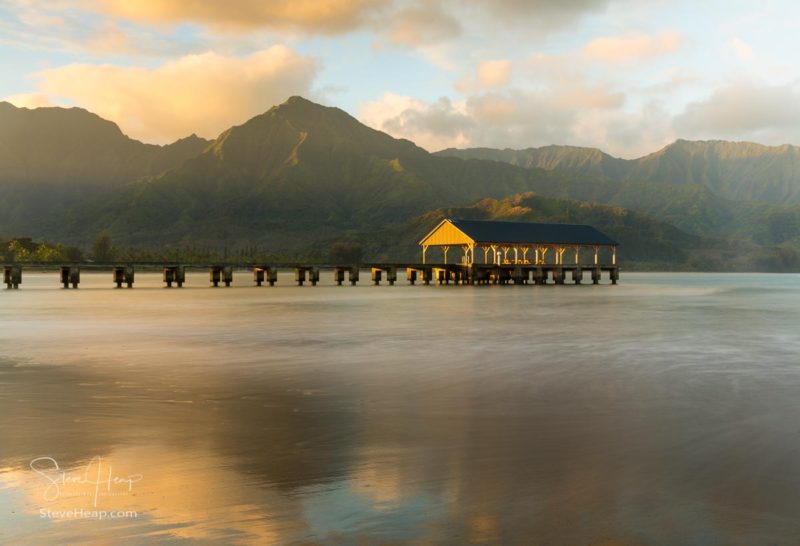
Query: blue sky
623	75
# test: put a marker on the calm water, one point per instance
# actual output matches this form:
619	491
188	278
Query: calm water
665	410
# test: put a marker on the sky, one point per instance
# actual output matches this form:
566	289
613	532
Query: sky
626	76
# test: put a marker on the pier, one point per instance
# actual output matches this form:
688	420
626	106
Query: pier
513	253
458	274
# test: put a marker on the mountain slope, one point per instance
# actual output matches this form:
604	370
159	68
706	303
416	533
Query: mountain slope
54	159
734	170
298	167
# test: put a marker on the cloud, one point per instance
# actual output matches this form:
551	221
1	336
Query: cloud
203	93
29	100
502	118
633	47
770	114
422	24
314	16
491	74
441	124
741	49
494	73
539	13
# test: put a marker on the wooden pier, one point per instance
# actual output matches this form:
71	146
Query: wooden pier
416	273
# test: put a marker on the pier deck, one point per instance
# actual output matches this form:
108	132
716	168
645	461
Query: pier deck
387	273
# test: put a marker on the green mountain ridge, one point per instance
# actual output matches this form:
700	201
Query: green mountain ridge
734	170
53	160
301	177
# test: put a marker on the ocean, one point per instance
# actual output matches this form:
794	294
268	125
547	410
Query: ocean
664	410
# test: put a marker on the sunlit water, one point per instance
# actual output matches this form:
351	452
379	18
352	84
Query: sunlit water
665	410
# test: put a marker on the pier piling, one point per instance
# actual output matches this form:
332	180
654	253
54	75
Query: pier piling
263	274
70	275
123	274
301	272
221	274
339	271
174	274
12	276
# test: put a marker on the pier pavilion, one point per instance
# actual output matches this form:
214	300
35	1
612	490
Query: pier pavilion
517	243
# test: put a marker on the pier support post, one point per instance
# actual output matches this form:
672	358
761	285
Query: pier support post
377	275
577	275
596	275
520	275
299	275
12	276
271	274
215	275
558	275
70	275
338	275
313	275
123	274
411	275
353	275
614	275
174	274
260	275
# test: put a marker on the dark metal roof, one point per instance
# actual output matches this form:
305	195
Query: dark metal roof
484	231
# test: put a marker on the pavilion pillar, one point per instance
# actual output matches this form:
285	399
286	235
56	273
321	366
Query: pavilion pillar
494	253
544	254
485	254
445	248
561	251
613	255
596	254
516	255
424	251
577	255
525	250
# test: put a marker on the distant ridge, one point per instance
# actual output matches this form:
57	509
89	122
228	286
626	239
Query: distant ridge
736	170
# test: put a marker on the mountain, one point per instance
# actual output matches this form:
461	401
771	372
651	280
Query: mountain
54	159
733	170
302	178
296	173
73	146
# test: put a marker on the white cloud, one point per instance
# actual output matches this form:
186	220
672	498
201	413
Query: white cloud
741	49
494	73
633	47
434	126
508	118
749	110
201	94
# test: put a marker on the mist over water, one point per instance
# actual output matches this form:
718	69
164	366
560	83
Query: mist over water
665	410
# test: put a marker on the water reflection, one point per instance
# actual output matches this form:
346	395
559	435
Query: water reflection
658	413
